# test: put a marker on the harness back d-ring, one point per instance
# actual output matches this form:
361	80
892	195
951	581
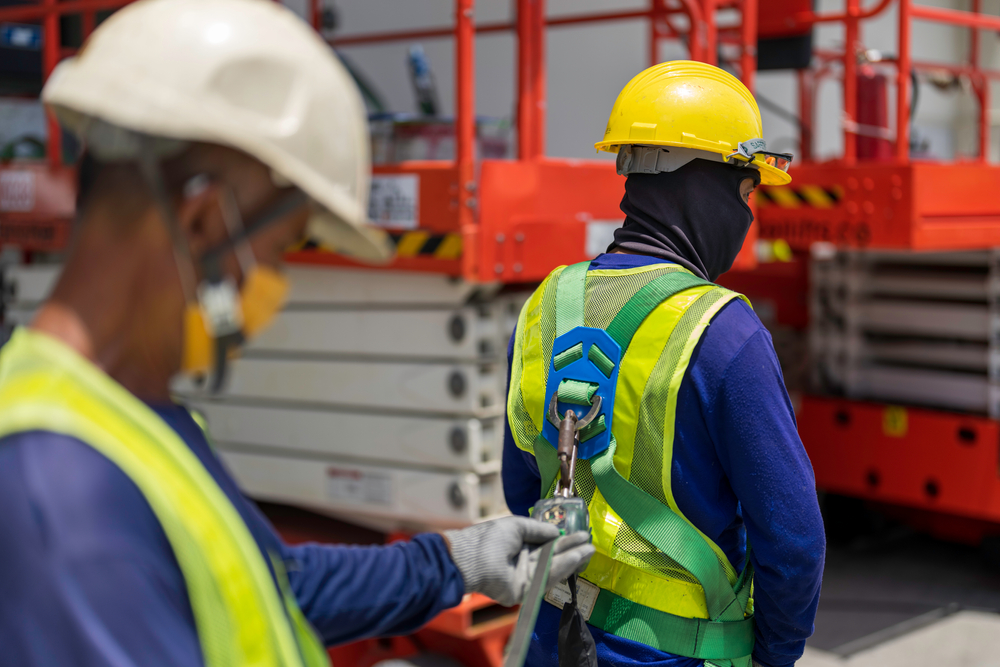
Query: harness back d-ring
553	414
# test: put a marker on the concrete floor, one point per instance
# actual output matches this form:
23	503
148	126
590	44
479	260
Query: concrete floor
963	639
893	597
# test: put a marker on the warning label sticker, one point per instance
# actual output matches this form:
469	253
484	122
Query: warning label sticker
586	596
17	191
394	201
359	487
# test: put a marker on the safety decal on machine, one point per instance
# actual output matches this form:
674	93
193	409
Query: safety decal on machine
895	421
395	201
358	487
418	243
17	191
425	244
788	196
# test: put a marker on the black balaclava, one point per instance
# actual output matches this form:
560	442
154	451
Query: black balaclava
693	216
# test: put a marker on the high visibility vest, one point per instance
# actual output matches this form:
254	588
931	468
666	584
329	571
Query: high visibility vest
662	581
242	618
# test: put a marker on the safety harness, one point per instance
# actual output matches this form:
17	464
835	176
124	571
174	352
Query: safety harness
584	365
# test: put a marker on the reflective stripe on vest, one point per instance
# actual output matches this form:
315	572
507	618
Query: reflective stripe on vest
241	617
649	378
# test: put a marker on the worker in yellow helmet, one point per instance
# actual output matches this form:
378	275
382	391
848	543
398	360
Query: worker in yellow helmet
217	134
692	456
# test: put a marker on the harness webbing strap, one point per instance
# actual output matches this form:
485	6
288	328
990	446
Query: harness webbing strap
570	293
567	357
576	392
690	637
601	360
630	317
593	429
548	464
669	533
744	585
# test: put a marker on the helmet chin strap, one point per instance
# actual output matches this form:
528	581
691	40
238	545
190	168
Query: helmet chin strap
219	300
149	166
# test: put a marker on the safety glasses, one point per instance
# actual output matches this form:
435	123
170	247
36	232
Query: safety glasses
755	150
777	160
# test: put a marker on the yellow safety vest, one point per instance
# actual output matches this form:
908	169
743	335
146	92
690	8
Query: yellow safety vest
242	618
627	567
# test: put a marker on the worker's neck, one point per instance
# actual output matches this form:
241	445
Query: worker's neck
106	307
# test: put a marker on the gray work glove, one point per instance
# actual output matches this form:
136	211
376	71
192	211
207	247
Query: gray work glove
495	559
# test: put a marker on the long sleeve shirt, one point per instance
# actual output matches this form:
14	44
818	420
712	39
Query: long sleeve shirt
88	577
739	471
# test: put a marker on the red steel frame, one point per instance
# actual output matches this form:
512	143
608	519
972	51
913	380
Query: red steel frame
530	210
47	226
943	465
882	205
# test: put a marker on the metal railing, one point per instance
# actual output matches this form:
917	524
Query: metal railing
699	32
904	64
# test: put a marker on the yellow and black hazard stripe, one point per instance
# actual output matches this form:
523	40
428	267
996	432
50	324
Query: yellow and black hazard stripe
420	243
789	196
417	243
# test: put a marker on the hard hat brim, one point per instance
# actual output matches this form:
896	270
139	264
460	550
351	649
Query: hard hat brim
768	175
365	243
773	176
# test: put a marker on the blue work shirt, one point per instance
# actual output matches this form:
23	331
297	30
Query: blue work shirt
88	577
738	470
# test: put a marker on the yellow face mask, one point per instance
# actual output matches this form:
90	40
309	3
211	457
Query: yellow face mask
261	297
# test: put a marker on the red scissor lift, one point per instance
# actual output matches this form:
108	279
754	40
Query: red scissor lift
937	468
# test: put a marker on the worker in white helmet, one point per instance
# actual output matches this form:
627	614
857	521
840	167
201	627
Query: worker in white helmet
217	134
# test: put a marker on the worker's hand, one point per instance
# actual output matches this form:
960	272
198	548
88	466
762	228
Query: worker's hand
498	558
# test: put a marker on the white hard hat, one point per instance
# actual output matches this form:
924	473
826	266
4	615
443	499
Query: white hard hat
248	74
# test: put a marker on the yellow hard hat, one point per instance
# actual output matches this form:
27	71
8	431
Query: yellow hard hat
696	107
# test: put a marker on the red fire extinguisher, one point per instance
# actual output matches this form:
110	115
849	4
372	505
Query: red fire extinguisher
873	139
